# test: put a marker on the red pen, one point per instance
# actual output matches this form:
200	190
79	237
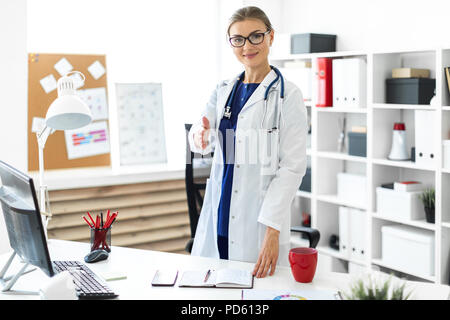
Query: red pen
90	218
97	222
111	220
87	222
107	215
111	217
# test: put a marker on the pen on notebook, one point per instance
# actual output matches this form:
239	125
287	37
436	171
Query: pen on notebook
207	275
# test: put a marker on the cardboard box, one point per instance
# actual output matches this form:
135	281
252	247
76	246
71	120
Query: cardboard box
410	73
408	249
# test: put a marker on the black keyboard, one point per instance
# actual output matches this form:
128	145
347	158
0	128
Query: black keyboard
87	283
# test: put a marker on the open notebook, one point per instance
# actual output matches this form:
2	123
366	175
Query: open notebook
223	278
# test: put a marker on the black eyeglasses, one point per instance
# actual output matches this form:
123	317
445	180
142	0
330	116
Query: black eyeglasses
253	38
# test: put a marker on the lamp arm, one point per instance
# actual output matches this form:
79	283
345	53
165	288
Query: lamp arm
42	137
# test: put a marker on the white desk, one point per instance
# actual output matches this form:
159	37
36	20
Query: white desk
140	267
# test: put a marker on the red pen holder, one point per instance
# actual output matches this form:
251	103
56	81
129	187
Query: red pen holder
101	239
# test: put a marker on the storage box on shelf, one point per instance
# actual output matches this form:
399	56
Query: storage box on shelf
400	204
408	248
312	42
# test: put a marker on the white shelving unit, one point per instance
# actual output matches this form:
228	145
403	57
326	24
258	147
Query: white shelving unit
322	202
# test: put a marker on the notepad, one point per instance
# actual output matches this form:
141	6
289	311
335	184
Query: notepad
223	278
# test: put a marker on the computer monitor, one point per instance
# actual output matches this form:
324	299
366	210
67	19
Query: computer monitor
23	218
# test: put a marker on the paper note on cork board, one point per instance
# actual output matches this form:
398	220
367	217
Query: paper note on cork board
90	140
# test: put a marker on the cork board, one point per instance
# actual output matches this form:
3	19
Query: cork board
55	152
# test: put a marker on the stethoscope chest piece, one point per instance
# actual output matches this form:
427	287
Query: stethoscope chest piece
227	113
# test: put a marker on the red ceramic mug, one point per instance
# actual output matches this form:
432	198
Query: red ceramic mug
303	263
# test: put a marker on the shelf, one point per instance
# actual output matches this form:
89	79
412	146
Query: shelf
341	110
446	224
336	200
337	254
403	106
415	223
446	108
309	56
340	156
303	194
330	252
401	164
381	263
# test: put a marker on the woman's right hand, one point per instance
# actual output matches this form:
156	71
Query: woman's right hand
201	136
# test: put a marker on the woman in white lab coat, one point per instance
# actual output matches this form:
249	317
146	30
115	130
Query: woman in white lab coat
259	156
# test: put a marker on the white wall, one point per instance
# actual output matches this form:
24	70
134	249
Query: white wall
364	24
13	92
172	42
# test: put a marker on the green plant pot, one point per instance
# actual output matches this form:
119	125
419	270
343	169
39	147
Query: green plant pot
429	214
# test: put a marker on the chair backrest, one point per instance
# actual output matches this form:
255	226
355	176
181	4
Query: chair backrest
194	196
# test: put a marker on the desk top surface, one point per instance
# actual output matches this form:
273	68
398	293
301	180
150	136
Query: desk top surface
140	266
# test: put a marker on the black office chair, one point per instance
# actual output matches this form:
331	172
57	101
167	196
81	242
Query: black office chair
195	198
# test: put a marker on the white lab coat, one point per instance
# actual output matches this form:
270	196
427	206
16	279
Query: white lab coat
260	197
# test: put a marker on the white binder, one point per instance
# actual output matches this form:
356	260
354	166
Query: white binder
355	82
349	83
344	232
338	83
424	124
357	234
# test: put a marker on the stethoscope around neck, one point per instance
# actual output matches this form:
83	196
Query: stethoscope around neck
227	112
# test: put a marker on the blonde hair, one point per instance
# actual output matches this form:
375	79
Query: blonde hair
250	12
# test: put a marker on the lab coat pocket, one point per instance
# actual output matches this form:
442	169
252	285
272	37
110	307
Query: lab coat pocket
268	153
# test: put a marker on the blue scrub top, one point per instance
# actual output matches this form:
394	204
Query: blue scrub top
227	129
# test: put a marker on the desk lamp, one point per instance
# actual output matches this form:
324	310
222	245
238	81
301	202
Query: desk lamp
67	112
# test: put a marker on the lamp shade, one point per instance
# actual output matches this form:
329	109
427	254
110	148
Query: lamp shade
68	111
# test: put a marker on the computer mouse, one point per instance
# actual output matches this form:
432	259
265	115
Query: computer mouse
96	255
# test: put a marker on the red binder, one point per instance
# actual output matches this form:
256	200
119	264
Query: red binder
325	84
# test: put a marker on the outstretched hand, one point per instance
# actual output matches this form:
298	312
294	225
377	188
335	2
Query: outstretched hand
202	135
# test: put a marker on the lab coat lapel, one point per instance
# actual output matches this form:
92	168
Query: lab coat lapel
258	95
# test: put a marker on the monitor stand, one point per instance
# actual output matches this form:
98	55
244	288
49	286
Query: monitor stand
6	283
